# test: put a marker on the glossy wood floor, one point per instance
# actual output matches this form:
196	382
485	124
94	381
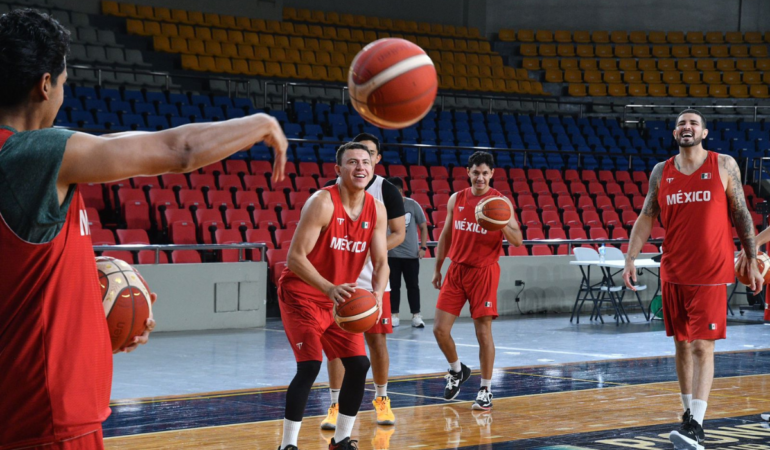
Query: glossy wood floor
609	404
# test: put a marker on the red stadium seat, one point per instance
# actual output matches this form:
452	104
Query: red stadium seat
93	195
145	182
284	237
418	172
556	233
611	219
614	189
185	257
191	199
540	188
202	181
265	219
127	195
328	170
565	202
530	219
622	203
553	175
236	167
221	200
258	237
591	219
122	255
213	168
598	233
423	200
381	171
604	203
438	216
638	202
436	233
298	199
459	185
551	219
230	183
164	198
541	250
93	218
127	237
273	200
137	215
282	186
649	248
526	201
596	188
308	169
639	176
521	187
440	201
517	174
658	233
262	168
290	218
622	176
238	219
535	175
182	233
256	183
545	202
619	233
572	219
102	237
459	173
174	180
397	170
578	188
585	203
437	186
534	234
439	173
571	175
606	176
577	233
209	220
588	176
306	184
229	237
517	251
247	200
629	218
148	257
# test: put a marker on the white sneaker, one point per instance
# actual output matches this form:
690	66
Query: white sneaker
417	321
394	320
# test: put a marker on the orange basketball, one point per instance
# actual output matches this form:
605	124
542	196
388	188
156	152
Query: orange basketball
358	313
493	213
763	264
126	300
392	83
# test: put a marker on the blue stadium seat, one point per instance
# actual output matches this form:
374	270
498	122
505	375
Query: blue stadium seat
133	120
232	112
144	108
189	111
213	113
109	94
306	154
292	130
260	152
157	122
133	96
240	102
178	99
168	110
94	105
153	96
81	118
200	100
85	92
178	121
312	131
327	154
105	118
221	100
72	104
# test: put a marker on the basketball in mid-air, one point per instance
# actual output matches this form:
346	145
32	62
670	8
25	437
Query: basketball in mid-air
126	300
358	313
392	83
763	264
493	213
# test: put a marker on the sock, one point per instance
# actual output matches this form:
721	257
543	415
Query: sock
486	384
455	367
686	399
698	410
335	395
344	427
382	389
290	433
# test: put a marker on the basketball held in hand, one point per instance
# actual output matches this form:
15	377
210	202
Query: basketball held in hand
493	213
358	313
763	264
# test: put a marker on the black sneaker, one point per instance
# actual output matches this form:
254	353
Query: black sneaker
454	380
765	416
689	436
288	447
483	400
345	444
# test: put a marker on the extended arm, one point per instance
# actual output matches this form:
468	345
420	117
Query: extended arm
744	224
512	231
444	241
643	225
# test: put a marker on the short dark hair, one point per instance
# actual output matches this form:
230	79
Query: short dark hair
397	182
31	44
480	158
692	111
368	137
349	146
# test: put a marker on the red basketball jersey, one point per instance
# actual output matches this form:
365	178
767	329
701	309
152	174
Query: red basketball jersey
472	245
55	349
341	249
698	248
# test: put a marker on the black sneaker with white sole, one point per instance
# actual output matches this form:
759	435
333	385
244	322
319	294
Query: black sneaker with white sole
288	447
454	380
483	400
689	436
765	416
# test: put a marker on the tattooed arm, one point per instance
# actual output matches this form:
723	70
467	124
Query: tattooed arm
744	224
643	226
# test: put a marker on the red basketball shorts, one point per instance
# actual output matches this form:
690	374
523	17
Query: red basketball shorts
477	285
695	312
90	441
385	325
311	329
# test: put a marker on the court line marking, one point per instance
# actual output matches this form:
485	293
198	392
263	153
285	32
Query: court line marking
555	352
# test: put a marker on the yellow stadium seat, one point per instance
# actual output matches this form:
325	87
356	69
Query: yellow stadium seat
581	37
695	37
554	76
190	62
162	14
223	65
474	46
744	65
565	50
592	76
461	83
301	29
716	37
343	34
432	42
297	42
758	51
632	77
135	27
705	65
573	76
525	87
530	63
359	21
739	91
449	30
323	58
474	84
617	90
447	44
338	60
525	36
752	77
473	33
636	90
544	36
753	37
332	18
680	51
652	77
520	74
152	28
612	77
219	35
588	64
317	17
356	35
657	90
281	41
277	54
179	45
536	88
303	15
661	51
169	29
289	13
528	49
203	34
604	51
212	48
330	33
499	85
347	20
461	70
685	64
627	64
699	51
320	73
619	37
731	78
657	37
461	45
161	44
423	27
763	65
242	23
262	53
226	21
473	71
718	91
127	10
273	26
229	50
637	37
511	87
497	60
461	32
257	68
211	19
600	37
111	8
448	57
207	64
585	51
240	66
641	51
608	64
245	51
691	77
485	71
326	45
597	90
623	51
272	69
725	65
568	63
759	91
677	90
446	82
312	44
562	36
647	64
672	77
304	71
485	60
547	64
577	90
722	51
369	36
287	28
251	38
437	29
259	25
675	37
547	50
180	16
196	18
354	47
235	36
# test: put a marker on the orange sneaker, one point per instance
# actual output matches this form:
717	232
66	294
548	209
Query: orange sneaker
385	415
330	422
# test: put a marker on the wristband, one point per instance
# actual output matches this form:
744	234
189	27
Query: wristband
424	248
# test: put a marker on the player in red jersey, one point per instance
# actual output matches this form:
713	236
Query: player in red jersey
473	276
694	192
54	345
339	225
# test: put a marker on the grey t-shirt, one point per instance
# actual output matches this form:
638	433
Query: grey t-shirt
410	248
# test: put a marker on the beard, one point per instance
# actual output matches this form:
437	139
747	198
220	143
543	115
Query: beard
694	141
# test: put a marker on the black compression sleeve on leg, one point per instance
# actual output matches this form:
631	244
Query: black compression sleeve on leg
352	392
299	389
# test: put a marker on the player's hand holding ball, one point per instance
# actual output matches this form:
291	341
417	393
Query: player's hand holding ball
493	213
753	275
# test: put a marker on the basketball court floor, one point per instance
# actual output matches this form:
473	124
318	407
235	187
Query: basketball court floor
557	386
